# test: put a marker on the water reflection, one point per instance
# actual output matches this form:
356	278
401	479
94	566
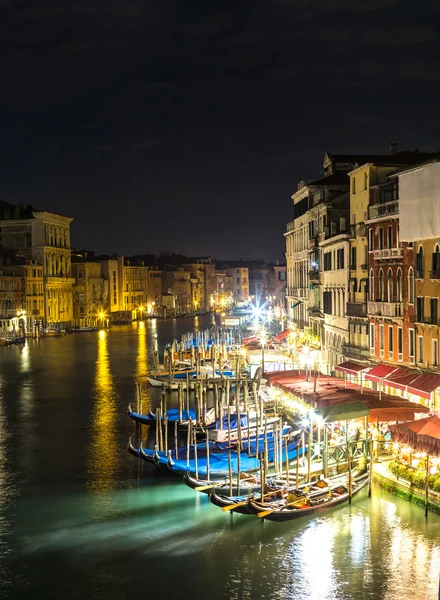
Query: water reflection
142	368
103	448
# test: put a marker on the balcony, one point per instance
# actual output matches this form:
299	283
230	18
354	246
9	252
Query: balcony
290	226
356	352
356	309
388	254
315	311
434	274
364	267
420	273
377	211
385	309
8	313
300	292
426	320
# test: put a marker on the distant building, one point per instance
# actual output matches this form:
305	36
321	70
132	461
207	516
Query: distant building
45	238
88	293
176	282
30	310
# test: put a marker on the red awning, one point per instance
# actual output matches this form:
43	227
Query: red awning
281	336
419	384
380	372
247	340
425	385
351	367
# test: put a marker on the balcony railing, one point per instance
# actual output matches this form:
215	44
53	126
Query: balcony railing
356	309
364	267
388	253
314	276
290	226
426	320
353	351
375	211
420	273
315	311
8	312
434	274
300	292
385	309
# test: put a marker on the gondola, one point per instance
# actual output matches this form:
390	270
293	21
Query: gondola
134	451
221	486
307	503
225	501
220	461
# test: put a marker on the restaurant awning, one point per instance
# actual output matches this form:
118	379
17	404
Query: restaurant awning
419	384
379	372
422	435
352	368
342	411
281	336
424	385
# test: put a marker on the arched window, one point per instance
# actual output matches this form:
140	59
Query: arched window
390	286
419	263
371	285
381	286
435	274
399	285
411	285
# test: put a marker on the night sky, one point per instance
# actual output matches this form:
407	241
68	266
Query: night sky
185	126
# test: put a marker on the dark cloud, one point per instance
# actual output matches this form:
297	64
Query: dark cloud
186	124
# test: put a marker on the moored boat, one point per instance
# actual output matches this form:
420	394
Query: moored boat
303	504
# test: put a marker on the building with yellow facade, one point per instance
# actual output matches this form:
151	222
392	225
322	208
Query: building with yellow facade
43	237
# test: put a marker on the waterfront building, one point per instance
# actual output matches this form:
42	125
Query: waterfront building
334	284
45	238
154	293
223	289
112	271
239	275
176	282
277	284
88	293
135	288
12	307
388	309
421	229
202	270
13	263
369	172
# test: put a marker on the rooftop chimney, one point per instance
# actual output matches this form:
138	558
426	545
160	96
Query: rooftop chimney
393	147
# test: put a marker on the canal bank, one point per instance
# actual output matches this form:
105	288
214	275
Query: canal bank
406	490
80	518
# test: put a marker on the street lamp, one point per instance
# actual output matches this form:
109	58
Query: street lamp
141	310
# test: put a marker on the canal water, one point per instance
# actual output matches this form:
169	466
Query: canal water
82	519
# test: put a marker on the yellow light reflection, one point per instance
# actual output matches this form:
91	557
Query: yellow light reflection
103	448
142	366
25	361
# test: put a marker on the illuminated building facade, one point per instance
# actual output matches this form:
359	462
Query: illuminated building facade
88	293
45	238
